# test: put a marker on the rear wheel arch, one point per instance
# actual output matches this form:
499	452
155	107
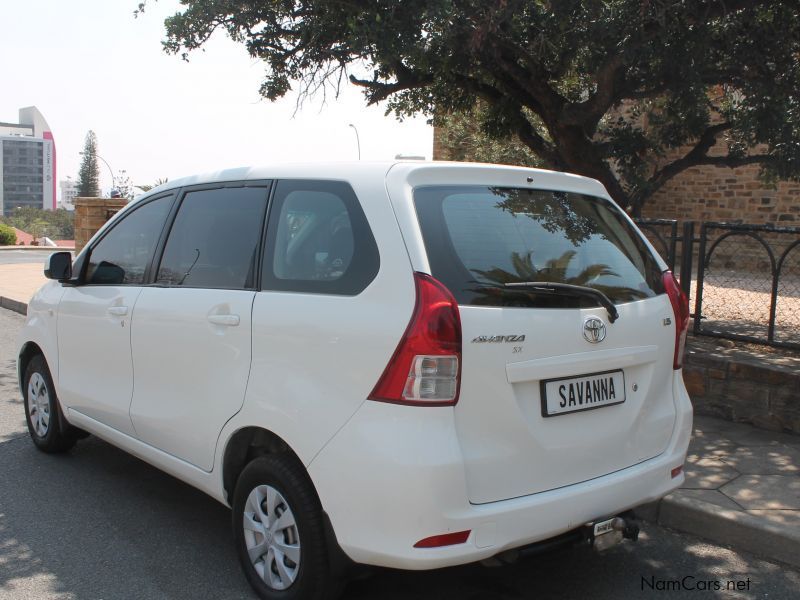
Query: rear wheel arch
243	447
250	443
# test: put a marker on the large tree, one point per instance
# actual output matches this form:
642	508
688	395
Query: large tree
610	89
89	172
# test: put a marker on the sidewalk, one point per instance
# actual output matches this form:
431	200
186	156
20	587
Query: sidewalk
18	282
742	489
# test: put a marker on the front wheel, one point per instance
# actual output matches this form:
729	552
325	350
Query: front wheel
279	531
41	410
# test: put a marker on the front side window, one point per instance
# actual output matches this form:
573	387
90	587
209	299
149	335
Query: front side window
214	240
122	255
319	240
480	238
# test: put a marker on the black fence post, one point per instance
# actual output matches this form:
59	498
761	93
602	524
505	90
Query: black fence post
687	258
673	240
701	267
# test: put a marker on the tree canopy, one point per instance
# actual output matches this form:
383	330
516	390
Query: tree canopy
89	173
57	224
610	89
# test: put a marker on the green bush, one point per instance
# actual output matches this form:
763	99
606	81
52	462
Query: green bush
8	237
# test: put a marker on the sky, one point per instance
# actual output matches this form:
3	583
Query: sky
89	64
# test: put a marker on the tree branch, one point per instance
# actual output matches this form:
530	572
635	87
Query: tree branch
697	156
524	129
406	80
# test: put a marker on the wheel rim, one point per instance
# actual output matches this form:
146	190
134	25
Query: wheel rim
39	404
271	537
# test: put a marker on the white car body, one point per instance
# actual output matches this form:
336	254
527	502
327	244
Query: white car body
160	373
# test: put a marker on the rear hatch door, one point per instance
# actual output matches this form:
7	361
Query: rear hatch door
552	392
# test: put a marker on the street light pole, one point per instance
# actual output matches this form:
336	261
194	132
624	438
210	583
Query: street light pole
358	140
110	170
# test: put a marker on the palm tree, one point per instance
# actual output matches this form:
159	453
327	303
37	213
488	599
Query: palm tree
146	187
555	271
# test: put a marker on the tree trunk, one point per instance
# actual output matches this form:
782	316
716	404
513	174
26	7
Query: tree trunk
581	157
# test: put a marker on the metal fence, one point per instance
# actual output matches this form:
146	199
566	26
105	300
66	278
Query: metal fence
663	234
748	283
748	277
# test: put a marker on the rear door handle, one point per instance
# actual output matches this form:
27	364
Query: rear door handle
118	311
228	320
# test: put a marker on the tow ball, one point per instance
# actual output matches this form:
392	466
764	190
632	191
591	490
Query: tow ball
603	535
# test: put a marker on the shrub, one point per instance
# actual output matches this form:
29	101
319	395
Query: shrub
8	237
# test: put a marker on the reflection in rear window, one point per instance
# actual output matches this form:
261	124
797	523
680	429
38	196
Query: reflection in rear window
480	238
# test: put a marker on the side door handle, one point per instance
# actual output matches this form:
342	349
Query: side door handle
227	320
118	311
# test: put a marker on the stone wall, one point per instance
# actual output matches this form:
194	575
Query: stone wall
91	214
728	195
743	385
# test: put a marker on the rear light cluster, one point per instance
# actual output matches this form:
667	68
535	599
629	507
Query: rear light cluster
425	369
680	306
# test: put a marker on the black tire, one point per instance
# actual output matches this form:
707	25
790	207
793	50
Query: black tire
55	436
313	576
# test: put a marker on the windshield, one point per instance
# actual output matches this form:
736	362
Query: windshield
480	238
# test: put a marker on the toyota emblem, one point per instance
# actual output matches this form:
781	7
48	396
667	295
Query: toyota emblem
594	330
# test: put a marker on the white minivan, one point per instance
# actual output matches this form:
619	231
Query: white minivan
410	365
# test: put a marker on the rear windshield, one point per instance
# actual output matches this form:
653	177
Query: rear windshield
480	238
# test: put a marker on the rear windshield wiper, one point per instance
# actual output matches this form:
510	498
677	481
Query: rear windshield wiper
573	290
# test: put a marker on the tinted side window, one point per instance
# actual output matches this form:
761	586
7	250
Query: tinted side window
123	254
319	240
214	240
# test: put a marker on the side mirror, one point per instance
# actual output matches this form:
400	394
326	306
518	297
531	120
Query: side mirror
58	266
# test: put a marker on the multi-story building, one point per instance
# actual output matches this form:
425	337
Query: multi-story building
27	163
69	191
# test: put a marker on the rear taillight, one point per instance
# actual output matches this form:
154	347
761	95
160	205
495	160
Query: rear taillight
680	306
425	369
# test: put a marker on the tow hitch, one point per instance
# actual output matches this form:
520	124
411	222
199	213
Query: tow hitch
602	535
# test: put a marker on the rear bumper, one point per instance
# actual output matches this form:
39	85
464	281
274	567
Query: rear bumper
394	475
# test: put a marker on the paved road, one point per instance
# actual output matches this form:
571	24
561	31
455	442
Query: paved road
98	523
13	257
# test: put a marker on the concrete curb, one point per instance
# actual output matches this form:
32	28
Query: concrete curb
15	305
736	529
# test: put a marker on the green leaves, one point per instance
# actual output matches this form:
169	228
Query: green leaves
89	173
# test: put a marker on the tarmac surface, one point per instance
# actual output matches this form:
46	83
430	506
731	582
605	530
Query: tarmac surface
98	523
13	257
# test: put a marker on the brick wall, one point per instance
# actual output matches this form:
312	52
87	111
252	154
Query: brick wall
729	195
91	214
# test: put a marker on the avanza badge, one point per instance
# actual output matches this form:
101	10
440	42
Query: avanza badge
497	339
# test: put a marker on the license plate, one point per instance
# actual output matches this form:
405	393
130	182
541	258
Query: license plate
603	527
575	394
